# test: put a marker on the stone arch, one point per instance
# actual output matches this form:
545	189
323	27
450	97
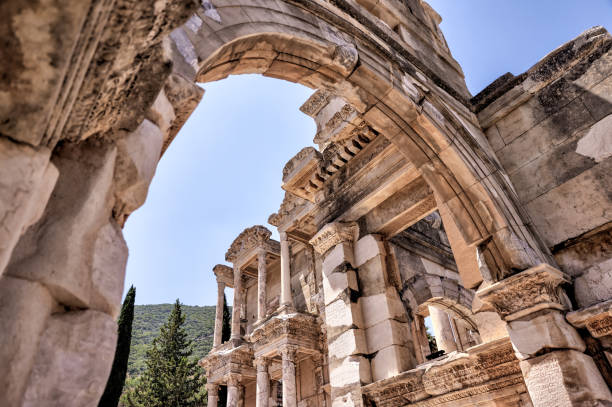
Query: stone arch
399	97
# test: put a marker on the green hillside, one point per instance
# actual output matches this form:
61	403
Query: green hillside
199	325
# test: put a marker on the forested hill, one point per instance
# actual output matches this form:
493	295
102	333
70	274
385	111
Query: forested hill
199	325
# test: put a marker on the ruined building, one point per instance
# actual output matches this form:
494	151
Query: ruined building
489	214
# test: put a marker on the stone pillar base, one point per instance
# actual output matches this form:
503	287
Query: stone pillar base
569	377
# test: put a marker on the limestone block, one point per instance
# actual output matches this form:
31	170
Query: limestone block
564	379
350	370
595	285
546	331
341	253
490	326
58	250
72	365
348	343
377	308
599	99
343	313
338	282
138	154
386	333
162	113
391	361
24	309
372	276
108	269
597	143
367	248
27	179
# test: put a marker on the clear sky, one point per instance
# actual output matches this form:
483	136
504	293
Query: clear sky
223	171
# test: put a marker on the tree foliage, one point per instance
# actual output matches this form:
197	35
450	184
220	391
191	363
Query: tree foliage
226	332
171	377
116	379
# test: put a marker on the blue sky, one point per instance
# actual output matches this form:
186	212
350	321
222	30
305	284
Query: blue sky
223	171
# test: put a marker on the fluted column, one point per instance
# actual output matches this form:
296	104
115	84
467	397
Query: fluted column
289	387
442	330
263	382
237	304
219	314
286	299
213	394
261	284
233	391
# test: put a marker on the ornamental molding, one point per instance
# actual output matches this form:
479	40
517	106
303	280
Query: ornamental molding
333	234
299	330
315	103
247	240
291	205
534	289
484	369
596	318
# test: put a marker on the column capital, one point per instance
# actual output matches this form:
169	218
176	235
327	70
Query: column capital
262	363
334	233
234	379
521	294
283	236
212	387
288	352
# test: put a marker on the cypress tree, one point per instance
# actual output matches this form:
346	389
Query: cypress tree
226	332
172	377
116	379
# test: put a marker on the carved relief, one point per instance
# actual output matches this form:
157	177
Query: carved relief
315	103
334	233
537	288
600	325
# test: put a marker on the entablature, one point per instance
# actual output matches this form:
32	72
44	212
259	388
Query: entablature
243	252
227	360
300	330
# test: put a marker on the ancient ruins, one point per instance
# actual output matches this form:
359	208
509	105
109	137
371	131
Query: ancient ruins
489	214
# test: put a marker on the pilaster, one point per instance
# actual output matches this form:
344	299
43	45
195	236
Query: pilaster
556	370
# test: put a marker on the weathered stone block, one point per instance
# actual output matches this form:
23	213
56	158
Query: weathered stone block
338	282
343	313
348	343
595	285
138	154
24	309
377	308
349	371
391	361
490	326
372	277
162	113
546	331
568	377
58	250
341	253
597	142
27	181
367	248
386	333
108	269
72	365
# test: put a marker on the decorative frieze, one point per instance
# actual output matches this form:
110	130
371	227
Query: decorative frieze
334	233
532	290
296	329
597	319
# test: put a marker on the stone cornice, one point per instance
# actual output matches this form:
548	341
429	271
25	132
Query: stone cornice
334	233
224	274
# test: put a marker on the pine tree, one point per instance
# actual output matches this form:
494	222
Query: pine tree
116	379
172	377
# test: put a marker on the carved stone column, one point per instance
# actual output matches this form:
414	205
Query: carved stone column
556	371
261	285
263	382
289	386
219	314
286	300
233	391
213	394
443	330
237	304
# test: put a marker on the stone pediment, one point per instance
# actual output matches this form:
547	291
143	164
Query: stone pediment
291	206
249	239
